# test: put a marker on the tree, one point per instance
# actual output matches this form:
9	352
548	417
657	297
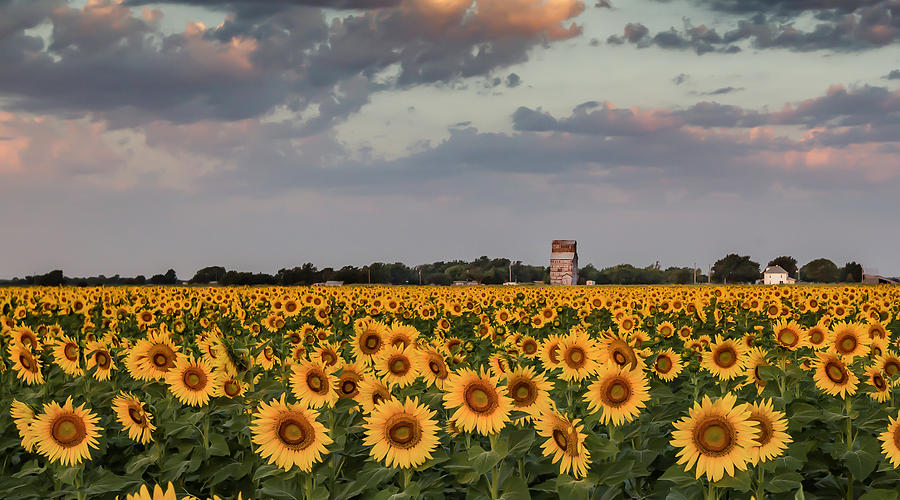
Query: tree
851	273
164	279
209	274
787	263
53	278
819	271
734	268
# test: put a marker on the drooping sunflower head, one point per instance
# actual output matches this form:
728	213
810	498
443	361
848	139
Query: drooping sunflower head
817	336
65	433
889	365
890	441
23	416
67	354
134	418
480	406
402	435
565	443
26	365
402	336
618	394
347	384
191	380
881	387
550	353
620	351
100	359
432	366
499	365
311	384
716	437
756	357
289	435
373	392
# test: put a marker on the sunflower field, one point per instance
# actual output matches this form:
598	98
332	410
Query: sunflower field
392	393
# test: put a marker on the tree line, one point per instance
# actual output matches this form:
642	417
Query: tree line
732	268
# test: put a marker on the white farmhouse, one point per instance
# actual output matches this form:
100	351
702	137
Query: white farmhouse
776	275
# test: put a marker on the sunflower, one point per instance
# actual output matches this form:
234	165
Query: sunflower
620	350
402	336
289	435
134	418
565	443
889	364
550	351
347	384
67	354
158	493
26	364
369	340
480	405
890	441
619	394
152	357
401	434
26	337
23	416
227	386
266	357
529	391
395	365
788	335
579	356
817	335
432	366
373	392
329	354
499	365
833	376
716	437
311	383
726	359
65	433
529	346
667	365
99	358
665	329
756	357
848	340
881	388
191	381
772	439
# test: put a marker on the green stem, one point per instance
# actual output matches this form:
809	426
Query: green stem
711	491
407	474
848	406
495	471
760	490
307	485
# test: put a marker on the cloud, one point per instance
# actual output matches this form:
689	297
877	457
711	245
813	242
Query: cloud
893	75
680	78
513	80
108	61
722	91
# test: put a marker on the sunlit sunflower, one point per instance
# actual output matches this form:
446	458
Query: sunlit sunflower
23	416
772	438
227	386
134	418
667	365
67	355
833	376
432	366
725	359
665	329
267	358
817	336
395	365
618	394
158	493
152	357
289	435
881	389
372	392
26	364
65	434
370	339
788	335
529	391
26	337
848	340
550	353
529	346
401	335
890	441
565	443
756	357
621	351
190	380
329	354
401	434
889	364
716	437
579	356
347	383
499	365
99	358
311	383
480	405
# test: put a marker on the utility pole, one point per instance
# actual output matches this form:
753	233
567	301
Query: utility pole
420	275
695	273
510	271
369	272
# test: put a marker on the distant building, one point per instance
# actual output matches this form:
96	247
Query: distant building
776	275
564	262
875	279
466	283
590	282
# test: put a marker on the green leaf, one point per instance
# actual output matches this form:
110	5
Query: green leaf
860	463
106	482
482	461
601	448
879	495
614	473
521	441
740	481
784	482
680	477
29	469
571	489
770	373
139	463
218	446
514	488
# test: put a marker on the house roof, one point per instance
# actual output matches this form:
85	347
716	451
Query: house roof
775	270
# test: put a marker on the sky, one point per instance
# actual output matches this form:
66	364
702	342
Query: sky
138	136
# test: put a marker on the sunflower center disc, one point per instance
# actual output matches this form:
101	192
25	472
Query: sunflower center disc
232	388
617	392
765	430
25	361
787	337
560	438
878	382
835	373
372	342
102	359
715	437
71	352
434	367
136	416
891	368
848	344
328	358
291	432
663	364
348	387
619	358
399	367
314	382
160	360
478	399
66	431
725	358
554	354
